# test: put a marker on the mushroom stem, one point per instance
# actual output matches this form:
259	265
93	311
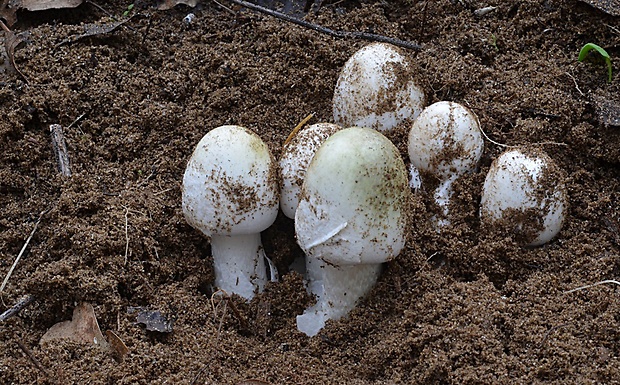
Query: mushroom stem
442	197
239	263
338	288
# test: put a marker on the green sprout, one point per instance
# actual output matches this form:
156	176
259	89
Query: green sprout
128	10
589	47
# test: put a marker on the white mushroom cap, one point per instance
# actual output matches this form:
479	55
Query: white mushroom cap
295	159
445	140
376	89
525	191
354	200
230	184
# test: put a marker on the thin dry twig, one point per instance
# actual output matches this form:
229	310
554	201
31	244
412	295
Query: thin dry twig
36	225
126	234
297	128
327	31
60	149
27	300
76	120
34	360
111	16
492	141
515	146
594	284
550	331
575	81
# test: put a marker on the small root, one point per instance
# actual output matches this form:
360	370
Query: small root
594	284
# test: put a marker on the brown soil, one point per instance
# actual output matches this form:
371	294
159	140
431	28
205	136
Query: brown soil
457	307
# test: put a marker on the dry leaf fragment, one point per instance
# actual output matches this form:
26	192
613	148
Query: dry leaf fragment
11	42
83	328
42	5
118	349
253	382
8	10
168	4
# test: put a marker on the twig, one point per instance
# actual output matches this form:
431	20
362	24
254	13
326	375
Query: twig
200	372
34	360
594	284
6	279
551	330
492	141
327	31
240	317
27	300
111	16
576	85
76	120
515	146
297	128
60	149
126	234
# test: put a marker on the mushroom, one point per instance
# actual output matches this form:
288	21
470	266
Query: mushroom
230	193
296	157
376	89
524	193
351	218
445	141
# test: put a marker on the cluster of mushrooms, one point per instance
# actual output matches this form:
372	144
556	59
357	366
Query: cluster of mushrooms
348	189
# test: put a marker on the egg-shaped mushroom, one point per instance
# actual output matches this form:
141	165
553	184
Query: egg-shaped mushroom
377	89
524	193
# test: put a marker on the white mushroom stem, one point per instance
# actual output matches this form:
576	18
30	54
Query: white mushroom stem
239	263
338	289
443	194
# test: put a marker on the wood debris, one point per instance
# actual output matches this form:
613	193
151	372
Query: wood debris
611	7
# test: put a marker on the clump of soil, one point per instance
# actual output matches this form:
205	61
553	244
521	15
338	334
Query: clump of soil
460	306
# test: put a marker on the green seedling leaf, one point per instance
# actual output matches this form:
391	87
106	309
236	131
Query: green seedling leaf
128	10
589	47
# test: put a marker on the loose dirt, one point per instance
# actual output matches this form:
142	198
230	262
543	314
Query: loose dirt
460	307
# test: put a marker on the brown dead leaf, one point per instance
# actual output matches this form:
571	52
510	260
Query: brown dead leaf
42	5
11	42
253	382
83	328
168	4
8	10
118	349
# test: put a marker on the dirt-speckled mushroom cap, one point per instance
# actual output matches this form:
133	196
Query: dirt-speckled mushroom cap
296	157
376	89
524	191
445	140
230	184
353	206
